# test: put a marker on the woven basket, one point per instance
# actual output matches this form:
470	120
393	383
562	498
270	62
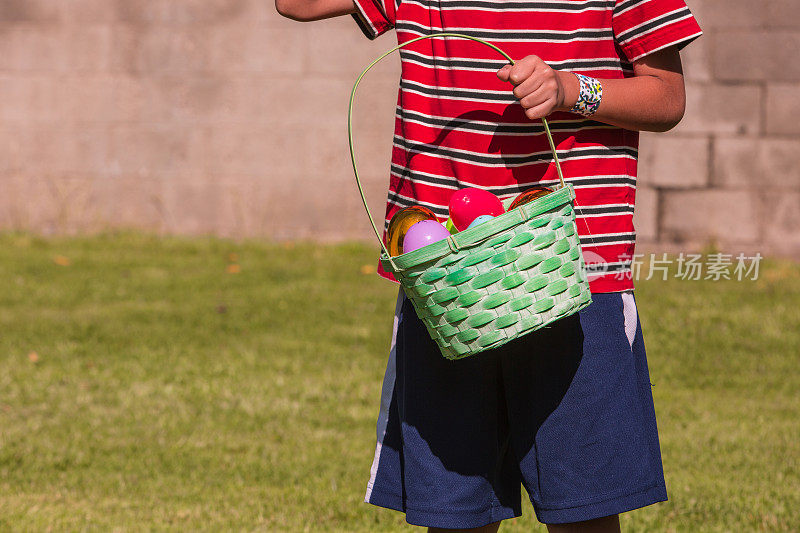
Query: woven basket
487	285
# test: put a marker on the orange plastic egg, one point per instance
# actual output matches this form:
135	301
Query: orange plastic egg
529	196
400	223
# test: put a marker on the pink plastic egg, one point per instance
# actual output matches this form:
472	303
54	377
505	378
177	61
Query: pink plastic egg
468	204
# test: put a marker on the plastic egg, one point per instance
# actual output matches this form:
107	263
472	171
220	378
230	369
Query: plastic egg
401	222
529	196
422	234
480	220
468	204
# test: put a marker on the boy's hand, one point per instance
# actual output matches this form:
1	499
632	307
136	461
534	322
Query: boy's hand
539	88
652	100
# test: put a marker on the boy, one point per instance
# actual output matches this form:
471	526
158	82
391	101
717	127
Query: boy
567	410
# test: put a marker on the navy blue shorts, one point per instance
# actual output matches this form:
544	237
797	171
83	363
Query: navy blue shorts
566	411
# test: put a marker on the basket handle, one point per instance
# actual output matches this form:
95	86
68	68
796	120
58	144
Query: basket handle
350	119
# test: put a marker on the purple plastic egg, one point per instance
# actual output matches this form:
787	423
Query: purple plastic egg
422	234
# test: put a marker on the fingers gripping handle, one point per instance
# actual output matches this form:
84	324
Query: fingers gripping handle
350	119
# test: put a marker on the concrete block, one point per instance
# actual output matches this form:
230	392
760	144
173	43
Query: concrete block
241	206
25	202
292	207
31	48
321	162
309	210
715	14
84	12
259	50
29	11
715	108
297	207
44	149
55	203
159	50
129	99
373	150
291	100
128	201
30	97
195	98
147	150
757	163
673	161
74	197
255	99
105	98
86	149
49	49
170	50
376	106
88	97
335	48
278	152
13	197
19	146
16	96
751	55
13	151
741	14
645	215
780	217
42	204
86	48
191	204
143	12
723	216
312	204
327	156
782	13
282	202
185	12
783	108
358	227
124	51
696	61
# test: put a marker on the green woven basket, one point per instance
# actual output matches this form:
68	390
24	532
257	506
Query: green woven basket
487	285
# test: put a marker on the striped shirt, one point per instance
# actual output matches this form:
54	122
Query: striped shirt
457	125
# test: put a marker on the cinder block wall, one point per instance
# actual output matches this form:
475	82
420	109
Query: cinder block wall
219	116
186	116
729	174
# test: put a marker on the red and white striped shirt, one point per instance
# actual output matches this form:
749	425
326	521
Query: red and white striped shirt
458	126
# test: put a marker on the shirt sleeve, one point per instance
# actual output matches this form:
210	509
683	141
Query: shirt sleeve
642	27
374	17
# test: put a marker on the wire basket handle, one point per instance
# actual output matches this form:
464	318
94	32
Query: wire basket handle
350	118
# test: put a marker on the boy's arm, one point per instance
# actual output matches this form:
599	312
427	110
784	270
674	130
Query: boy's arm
653	100
308	10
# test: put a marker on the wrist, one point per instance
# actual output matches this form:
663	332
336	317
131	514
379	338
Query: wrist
570	89
590	94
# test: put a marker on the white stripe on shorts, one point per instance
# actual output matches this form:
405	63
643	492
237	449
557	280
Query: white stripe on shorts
631	316
386	396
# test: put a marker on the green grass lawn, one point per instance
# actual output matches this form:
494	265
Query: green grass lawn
145	384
